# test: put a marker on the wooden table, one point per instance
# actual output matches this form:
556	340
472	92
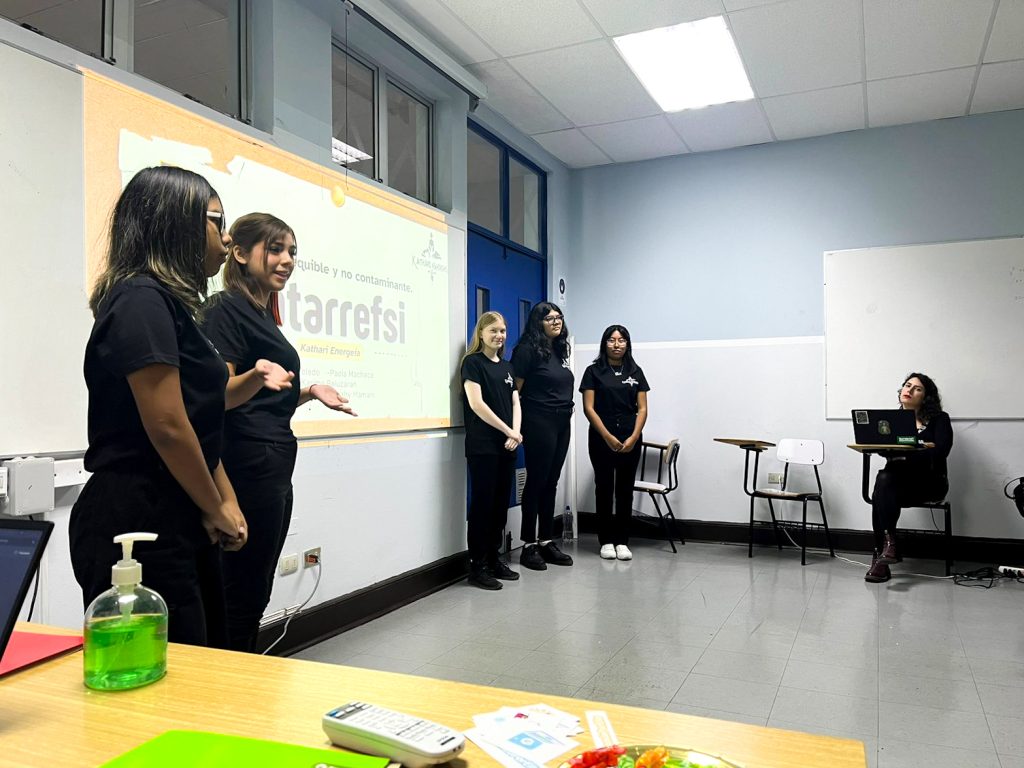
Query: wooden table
47	717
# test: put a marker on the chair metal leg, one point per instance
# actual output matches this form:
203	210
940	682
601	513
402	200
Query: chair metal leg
675	525
664	522
750	535
949	538
803	538
828	535
775	525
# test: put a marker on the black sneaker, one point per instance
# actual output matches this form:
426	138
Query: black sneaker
552	554
501	571
481	577
531	558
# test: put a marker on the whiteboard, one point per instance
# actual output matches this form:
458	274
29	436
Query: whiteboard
954	311
43	306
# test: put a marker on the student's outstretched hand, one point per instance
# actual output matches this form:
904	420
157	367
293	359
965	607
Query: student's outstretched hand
274	377
330	397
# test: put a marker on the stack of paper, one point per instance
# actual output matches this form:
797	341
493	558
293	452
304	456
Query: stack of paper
525	737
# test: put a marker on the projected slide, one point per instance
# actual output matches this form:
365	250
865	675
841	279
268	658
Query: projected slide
367	303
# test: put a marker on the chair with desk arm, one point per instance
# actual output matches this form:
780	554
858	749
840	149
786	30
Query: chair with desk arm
666	481
800	452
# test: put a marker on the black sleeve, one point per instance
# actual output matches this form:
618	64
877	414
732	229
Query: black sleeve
643	386
137	329
471	370
523	361
589	380
222	326
943	437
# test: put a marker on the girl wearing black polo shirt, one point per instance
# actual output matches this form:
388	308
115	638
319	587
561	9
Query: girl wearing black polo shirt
492	435
545	383
259	446
615	402
156	406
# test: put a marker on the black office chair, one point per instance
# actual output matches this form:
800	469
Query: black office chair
667	480
946	531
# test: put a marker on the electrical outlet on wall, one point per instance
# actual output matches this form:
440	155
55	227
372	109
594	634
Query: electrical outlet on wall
775	478
288	564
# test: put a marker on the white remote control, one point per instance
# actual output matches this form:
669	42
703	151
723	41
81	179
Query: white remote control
409	740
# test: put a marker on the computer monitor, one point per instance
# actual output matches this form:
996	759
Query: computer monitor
21	546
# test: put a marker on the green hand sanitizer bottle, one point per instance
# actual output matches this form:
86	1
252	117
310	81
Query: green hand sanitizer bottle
126	628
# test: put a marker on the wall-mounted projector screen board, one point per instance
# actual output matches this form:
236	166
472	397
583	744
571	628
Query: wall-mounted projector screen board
951	310
367	304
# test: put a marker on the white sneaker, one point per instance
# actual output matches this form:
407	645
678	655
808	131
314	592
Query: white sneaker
608	551
622	552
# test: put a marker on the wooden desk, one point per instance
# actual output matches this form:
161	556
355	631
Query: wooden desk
48	717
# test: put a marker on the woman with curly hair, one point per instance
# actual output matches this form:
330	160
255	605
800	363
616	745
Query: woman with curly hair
908	479
544	380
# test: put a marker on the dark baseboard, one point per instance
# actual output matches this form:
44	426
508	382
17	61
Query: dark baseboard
928	545
335	616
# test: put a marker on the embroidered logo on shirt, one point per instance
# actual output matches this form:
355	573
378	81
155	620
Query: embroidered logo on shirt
508	380
631	381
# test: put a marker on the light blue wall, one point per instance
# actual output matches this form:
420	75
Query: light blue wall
729	244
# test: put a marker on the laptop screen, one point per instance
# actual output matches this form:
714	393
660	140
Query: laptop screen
21	547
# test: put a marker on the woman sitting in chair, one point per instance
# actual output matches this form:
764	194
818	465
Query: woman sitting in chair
910	479
615	401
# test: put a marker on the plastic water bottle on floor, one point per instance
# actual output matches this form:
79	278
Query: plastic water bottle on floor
567	525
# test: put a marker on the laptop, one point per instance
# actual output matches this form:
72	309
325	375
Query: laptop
884	427
21	547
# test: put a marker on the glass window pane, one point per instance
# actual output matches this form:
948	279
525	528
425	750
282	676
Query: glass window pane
78	23
190	46
483	301
523	205
483	163
408	144
524	314
353	110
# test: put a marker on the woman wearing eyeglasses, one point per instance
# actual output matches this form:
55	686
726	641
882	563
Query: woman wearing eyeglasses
615	401
156	406
545	380
910	478
259	445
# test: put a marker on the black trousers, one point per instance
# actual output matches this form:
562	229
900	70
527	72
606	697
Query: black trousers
261	474
614	474
901	485
490	483
545	444
181	565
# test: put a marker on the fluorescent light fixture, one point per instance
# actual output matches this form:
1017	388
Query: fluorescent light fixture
688	65
344	154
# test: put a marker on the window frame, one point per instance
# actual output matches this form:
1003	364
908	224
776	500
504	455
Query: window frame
390	81
377	73
507	152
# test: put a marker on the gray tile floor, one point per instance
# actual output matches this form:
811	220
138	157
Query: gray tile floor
924	672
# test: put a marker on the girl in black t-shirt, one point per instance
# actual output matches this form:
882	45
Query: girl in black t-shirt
262	394
156	406
545	382
615	402
909	479
492	414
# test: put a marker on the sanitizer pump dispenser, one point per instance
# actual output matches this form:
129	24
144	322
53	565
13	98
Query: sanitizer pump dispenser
126	627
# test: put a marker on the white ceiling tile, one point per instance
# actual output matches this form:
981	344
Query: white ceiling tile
908	37
513	98
437	21
636	139
1000	86
816	113
802	45
588	83
572	148
722	126
1007	38
919	97
739	5
514	27
619	18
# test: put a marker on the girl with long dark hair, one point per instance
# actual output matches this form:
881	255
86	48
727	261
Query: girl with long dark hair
493	420
908	479
156	406
259	445
544	379
615	402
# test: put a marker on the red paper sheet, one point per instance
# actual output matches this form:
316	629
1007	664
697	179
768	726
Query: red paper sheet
27	648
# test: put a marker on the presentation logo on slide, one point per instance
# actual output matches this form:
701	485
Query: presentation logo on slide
431	260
